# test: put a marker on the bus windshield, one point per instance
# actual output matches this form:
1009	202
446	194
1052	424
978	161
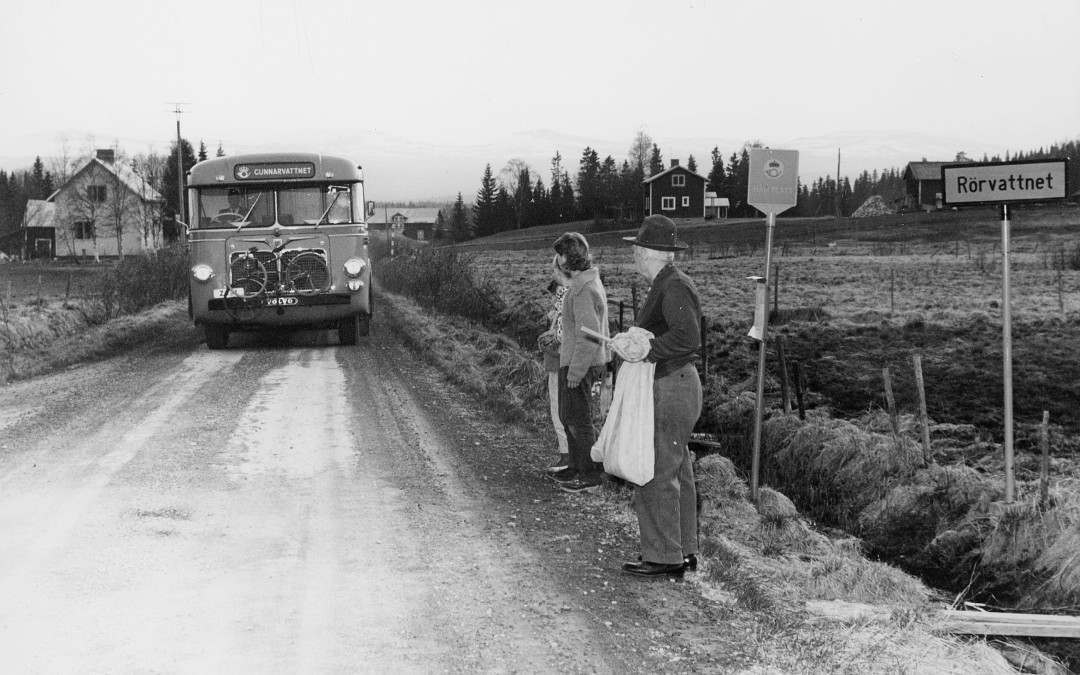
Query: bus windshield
261	206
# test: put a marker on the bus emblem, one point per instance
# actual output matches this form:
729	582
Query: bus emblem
282	301
242	172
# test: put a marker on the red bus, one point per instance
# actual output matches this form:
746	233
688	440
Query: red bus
279	241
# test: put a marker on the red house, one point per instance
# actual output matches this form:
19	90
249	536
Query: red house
675	193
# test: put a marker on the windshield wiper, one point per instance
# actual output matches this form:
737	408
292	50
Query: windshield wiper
247	215
337	193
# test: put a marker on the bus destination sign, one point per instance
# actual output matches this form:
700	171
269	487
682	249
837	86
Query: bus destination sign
274	171
1004	182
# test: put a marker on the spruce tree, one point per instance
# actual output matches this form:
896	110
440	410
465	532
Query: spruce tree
588	184
656	161
484	208
691	164
459	221
717	175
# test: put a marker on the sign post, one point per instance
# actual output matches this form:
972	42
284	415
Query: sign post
773	188
1003	183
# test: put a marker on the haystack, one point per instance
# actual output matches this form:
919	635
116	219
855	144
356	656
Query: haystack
873	206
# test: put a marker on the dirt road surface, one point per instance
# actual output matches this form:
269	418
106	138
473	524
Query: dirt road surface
292	506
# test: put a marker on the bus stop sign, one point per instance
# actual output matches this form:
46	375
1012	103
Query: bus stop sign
773	184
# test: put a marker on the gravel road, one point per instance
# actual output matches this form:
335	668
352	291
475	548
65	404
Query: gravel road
292	506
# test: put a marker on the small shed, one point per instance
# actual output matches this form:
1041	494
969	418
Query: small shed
421	224
923	186
677	192
716	207
36	236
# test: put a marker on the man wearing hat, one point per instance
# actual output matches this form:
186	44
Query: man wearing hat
666	506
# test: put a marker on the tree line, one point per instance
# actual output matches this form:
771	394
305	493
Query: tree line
608	192
605	190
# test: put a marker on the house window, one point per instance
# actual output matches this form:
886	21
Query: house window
667	203
686	201
84	229
95	193
678	180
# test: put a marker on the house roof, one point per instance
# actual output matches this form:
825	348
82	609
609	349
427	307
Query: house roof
128	177
924	170
716	201
420	216
39	213
673	169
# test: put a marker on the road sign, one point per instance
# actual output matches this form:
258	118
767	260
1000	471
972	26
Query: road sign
773	184
1005	182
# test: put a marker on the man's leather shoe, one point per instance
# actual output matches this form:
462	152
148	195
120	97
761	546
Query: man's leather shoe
651	569
689	562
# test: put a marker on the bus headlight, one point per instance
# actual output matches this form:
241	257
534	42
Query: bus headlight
354	267
355	285
202	273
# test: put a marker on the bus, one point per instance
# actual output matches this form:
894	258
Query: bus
279	241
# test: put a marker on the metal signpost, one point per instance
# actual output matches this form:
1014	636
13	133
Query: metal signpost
773	188
1004	183
396	227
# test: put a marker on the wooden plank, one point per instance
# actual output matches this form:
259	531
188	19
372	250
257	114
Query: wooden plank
1018	629
1012	617
1007	623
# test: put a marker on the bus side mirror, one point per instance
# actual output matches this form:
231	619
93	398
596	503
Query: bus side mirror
370	209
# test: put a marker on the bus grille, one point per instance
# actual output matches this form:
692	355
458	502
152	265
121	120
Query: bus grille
288	272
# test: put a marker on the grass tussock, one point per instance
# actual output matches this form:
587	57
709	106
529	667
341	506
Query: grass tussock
951	520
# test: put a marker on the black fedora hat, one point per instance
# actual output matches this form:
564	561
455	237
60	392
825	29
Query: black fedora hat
658	233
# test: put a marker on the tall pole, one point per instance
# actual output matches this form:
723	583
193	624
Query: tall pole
839	189
181	211
770	223
1006	320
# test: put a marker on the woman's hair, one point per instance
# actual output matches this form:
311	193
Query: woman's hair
576	249
561	276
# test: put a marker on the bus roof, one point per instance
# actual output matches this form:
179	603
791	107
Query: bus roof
274	167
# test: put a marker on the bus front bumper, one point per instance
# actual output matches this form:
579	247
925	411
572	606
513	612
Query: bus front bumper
223	304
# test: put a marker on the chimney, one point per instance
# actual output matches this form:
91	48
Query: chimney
674	163
107	155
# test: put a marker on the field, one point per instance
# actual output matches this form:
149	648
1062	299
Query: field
854	296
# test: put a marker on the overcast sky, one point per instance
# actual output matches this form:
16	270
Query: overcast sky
300	73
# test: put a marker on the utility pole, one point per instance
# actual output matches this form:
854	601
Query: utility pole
181	216
839	184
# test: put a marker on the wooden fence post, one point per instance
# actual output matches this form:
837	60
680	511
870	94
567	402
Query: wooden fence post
785	395
890	402
799	384
892	292
1044	467
924	422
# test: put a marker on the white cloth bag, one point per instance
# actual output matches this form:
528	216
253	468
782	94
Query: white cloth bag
625	445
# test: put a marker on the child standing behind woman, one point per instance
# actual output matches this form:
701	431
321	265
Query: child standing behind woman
550	341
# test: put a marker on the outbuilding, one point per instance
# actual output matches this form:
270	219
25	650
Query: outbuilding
36	236
421	224
923	186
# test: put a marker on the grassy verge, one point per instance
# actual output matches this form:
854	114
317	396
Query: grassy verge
116	307
763	564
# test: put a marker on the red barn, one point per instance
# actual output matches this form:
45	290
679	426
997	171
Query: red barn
675	193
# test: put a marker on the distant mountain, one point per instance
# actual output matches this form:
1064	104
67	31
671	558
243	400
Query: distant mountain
400	169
